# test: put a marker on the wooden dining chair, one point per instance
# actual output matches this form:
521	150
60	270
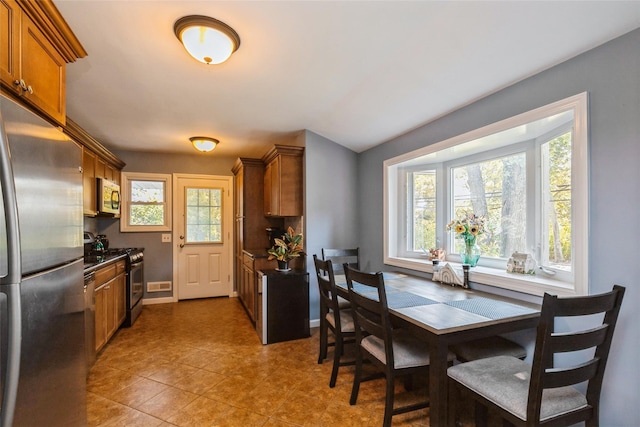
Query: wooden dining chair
394	352
542	394
332	318
340	256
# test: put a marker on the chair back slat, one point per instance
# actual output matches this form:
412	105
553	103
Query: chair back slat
586	305
561	377
342	256
574	341
589	365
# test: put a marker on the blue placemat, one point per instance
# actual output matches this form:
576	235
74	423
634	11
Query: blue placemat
400	299
358	287
490	308
391	275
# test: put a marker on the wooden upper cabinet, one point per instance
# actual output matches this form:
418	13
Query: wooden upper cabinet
43	73
9	42
283	192
97	162
89	184
35	46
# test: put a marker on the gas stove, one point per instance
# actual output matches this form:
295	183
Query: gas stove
132	255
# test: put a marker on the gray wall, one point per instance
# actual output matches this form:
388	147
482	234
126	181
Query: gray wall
331	203
611	75
158	256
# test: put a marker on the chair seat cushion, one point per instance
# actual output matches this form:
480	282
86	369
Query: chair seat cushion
343	303
504	380
488	347
346	320
408	352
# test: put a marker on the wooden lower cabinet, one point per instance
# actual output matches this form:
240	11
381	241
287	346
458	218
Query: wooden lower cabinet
110	297
252	262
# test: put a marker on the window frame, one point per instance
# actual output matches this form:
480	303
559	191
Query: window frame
490	275
127	178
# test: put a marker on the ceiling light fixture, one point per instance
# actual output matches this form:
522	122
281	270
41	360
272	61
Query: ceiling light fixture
203	144
206	39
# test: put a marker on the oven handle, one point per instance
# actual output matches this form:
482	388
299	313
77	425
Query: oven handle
136	264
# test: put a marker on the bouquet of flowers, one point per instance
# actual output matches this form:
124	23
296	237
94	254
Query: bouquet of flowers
468	228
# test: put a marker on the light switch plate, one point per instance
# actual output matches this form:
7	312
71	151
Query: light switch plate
166	238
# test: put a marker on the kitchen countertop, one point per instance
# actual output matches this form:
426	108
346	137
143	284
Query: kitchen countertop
256	253
91	265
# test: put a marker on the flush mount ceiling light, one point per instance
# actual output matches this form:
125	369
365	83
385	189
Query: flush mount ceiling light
203	144
206	39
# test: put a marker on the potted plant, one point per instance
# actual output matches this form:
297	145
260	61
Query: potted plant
285	249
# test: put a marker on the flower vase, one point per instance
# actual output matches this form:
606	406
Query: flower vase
470	253
283	266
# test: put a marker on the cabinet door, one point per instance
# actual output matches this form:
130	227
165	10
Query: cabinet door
289	185
9	43
247	294
101	318
100	168
272	188
89	184
111	307
120	299
43	70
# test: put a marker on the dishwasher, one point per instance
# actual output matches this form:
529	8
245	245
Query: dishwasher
90	318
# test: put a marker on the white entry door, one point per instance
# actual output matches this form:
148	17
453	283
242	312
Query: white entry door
203	235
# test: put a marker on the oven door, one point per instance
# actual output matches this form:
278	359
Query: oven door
136	284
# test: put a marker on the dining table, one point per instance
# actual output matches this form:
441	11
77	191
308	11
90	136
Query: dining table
443	315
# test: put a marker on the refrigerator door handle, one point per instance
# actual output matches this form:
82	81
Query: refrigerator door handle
11	283
14	345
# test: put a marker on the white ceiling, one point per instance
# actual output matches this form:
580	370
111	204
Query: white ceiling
356	72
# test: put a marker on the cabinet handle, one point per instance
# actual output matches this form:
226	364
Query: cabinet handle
181	245
22	85
181	237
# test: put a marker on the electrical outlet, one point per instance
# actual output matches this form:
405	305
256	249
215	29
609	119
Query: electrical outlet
166	238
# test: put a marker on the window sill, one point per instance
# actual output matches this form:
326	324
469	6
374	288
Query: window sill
529	284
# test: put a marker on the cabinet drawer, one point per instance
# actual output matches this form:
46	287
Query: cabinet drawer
105	274
121	267
248	260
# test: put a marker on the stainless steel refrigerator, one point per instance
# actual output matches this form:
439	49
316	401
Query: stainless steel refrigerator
42	356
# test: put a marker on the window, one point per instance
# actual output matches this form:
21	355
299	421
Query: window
527	176
146	204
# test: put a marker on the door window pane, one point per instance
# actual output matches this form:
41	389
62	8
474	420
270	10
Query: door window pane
203	215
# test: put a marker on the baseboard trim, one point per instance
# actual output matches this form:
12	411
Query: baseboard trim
151	301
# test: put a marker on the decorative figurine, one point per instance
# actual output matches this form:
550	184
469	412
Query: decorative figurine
521	263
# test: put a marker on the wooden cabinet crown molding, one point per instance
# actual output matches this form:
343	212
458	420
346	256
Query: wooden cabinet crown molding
287	150
50	21
78	134
242	161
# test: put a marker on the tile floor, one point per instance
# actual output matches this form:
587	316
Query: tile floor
200	363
